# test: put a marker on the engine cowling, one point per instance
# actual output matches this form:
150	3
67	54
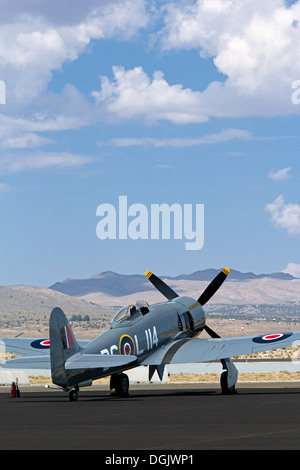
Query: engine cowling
191	315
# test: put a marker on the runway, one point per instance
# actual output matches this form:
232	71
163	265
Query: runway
161	418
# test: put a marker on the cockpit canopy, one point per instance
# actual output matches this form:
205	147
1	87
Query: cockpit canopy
130	312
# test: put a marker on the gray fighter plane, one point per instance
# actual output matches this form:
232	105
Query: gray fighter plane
139	334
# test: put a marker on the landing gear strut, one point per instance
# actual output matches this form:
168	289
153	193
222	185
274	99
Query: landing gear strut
229	375
120	382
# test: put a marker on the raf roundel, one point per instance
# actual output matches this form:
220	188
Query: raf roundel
126	345
272	338
40	344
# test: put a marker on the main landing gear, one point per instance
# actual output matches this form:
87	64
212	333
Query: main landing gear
120	383
228	377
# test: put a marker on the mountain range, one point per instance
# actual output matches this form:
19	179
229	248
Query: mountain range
110	288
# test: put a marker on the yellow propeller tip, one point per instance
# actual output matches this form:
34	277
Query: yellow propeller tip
226	271
148	274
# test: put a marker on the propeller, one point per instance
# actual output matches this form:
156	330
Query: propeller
211	289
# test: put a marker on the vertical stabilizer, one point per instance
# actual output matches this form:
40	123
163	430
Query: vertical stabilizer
63	345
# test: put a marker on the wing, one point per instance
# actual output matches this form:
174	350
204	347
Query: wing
30	346
193	350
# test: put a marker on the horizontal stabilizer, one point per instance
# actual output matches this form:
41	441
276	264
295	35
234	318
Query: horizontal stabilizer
21	363
96	361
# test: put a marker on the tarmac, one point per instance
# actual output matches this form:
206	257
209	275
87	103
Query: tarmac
154	420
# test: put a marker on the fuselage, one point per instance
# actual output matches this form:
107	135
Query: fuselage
141	334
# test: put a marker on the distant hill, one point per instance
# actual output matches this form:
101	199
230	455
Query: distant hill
26	310
34	300
108	282
209	274
110	288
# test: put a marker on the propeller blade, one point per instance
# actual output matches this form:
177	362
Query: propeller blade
211	332
161	286
213	286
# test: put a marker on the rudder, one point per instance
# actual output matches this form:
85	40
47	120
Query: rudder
63	345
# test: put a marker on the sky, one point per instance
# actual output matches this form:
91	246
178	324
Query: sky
192	103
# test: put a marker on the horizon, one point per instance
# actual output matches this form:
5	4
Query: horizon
161	275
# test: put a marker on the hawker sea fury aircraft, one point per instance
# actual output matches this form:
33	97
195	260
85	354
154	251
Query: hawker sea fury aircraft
141	334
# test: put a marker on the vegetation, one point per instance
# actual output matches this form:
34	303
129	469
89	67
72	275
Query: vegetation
80	318
283	376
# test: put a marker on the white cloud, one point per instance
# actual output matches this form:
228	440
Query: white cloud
222	136
30	52
73	11
285	216
36	39
279	175
67	110
293	269
14	163
112	15
254	44
133	95
27	140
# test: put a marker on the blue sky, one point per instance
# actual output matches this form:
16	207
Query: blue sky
163	102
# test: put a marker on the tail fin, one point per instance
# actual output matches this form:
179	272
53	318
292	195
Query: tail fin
63	345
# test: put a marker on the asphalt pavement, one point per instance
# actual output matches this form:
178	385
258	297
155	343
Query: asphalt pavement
166	418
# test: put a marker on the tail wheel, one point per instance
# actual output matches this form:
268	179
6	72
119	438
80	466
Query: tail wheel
73	395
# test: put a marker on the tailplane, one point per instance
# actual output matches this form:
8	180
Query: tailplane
63	346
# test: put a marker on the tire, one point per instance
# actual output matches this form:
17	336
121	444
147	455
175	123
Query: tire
73	395
224	385
122	385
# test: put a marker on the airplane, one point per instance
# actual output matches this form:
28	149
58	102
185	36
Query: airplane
139	335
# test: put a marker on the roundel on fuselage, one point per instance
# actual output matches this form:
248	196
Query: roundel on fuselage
126	346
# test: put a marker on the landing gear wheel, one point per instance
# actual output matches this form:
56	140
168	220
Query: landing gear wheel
224	384
122	385
73	395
